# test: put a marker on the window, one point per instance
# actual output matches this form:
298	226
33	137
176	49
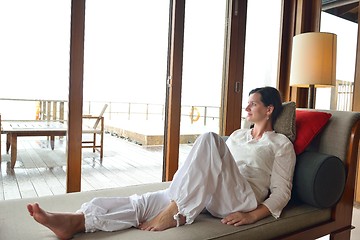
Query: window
202	68
261	46
34	59
346	31
125	66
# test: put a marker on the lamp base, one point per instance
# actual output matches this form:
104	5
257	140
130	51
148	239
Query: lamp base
311	96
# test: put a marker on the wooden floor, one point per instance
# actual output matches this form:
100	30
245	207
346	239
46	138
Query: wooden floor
40	171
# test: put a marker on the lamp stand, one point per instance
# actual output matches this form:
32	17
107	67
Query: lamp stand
311	96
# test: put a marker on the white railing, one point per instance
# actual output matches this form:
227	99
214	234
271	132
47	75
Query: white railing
33	109
56	110
344	96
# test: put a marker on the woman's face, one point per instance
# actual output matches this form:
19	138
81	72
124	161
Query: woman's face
257	111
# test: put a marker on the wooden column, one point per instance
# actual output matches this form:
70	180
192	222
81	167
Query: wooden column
75	96
356	96
173	92
234	68
356	106
307	19
308	13
286	36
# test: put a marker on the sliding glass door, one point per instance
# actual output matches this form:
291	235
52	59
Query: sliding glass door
202	82
34	76
125	66
261	46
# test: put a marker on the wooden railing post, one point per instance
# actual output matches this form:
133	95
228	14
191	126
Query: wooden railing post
129	110
62	110
54	110
205	115
48	110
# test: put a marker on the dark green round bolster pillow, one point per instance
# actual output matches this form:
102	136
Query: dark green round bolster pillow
319	179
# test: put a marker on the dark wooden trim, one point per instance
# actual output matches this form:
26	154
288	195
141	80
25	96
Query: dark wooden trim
308	14
316	6
235	67
356	96
75	96
344	208
312	233
356	102
307	19
286	36
340	225
172	130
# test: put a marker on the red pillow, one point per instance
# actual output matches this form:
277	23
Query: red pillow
308	125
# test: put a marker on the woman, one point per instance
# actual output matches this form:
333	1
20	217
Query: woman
241	181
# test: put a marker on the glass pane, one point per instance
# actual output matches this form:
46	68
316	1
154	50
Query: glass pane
261	46
34	59
340	97
34	73
202	69
125	67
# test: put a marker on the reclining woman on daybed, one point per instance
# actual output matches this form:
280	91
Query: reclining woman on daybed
241	181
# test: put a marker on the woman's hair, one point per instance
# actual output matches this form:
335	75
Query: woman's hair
270	96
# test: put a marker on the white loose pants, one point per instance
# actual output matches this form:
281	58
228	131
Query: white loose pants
209	178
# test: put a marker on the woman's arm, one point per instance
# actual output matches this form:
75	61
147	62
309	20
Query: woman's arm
281	179
242	218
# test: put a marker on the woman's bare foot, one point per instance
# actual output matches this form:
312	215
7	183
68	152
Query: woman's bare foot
164	220
64	225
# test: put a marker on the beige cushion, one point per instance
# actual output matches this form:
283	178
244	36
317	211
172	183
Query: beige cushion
285	123
15	222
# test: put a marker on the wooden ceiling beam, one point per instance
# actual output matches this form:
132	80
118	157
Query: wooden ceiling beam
337	4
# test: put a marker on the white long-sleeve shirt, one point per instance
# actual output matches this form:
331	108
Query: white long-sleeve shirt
268	165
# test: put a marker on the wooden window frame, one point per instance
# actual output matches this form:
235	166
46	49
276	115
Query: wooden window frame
298	16
74	132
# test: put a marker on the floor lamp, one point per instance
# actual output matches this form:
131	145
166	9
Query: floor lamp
313	62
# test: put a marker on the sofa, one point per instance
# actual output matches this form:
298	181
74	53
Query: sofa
315	209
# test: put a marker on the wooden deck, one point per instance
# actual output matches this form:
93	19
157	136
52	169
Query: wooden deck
40	171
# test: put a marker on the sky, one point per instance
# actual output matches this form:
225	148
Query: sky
125	50
126	53
30	57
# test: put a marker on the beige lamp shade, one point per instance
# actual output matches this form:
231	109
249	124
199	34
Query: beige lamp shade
313	60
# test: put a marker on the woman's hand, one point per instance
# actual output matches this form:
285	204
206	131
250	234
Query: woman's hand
242	218
239	218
